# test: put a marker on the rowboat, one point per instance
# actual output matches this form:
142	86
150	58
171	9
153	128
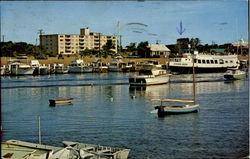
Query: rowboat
92	150
181	108
54	102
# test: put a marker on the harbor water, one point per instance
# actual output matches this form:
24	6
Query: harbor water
104	113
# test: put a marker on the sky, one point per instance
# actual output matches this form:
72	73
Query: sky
212	21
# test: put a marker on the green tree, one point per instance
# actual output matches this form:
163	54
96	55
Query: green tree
142	49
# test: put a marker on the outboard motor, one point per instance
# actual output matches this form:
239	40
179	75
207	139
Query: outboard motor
161	111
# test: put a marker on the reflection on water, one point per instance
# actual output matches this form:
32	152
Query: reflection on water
219	130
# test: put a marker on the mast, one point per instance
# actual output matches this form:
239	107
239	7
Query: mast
39	130
193	79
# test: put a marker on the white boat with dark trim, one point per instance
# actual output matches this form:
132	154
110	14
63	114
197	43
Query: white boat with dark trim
234	74
150	75
16	149
203	63
179	108
91	150
21	69
116	66
61	69
39	69
54	102
78	66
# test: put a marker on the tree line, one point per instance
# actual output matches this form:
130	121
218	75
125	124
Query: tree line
13	49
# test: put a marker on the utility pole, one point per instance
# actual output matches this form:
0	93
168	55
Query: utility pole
3	38
40	32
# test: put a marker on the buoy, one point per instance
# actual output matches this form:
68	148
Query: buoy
133	97
111	99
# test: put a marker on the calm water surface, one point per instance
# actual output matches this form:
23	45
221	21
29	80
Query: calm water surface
219	130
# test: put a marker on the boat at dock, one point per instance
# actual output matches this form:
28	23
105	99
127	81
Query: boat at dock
116	66
99	67
203	63
78	66
54	102
16	149
39	69
61	69
149	75
234	74
21	69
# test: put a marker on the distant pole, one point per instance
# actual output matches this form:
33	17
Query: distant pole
99	44
120	43
39	130
3	38
40	32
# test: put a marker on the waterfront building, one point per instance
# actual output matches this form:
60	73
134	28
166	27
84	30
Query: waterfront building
72	44
159	50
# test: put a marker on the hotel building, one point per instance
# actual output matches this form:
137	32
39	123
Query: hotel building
73	44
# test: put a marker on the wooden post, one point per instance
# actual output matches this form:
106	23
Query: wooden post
39	130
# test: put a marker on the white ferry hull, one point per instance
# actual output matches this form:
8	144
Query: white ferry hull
148	80
198	70
75	70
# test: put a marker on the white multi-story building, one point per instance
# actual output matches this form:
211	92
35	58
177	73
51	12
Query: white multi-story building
73	44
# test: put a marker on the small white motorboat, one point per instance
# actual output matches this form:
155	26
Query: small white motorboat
234	74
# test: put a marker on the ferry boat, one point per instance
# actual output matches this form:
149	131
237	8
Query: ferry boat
203	63
150	75
21	69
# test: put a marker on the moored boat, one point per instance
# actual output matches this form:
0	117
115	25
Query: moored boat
54	102
203	63
16	149
61	69
21	69
98	150
234	74
175	109
149	75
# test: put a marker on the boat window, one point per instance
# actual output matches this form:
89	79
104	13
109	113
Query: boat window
226	61
212	61
231	61
195	60
215	61
208	61
199	61
221	61
203	61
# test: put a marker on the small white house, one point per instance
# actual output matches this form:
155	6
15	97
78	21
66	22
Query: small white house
158	50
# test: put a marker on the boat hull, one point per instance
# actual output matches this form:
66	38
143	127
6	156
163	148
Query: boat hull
189	70
22	71
169	110
148	80
234	77
54	102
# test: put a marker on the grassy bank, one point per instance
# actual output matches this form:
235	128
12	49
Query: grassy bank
68	60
